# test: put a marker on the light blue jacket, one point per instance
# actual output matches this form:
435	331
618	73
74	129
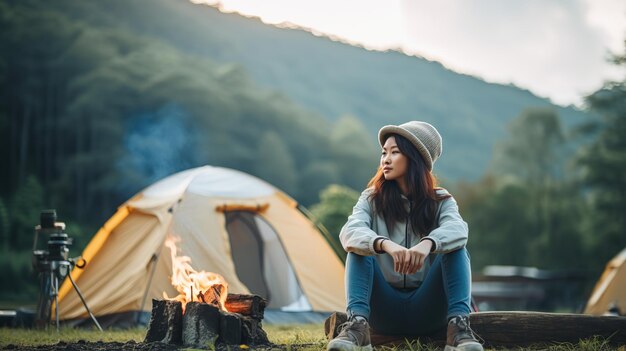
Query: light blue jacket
364	227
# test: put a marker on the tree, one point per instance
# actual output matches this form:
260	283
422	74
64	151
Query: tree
336	203
5	226
533	156
498	216
26	206
314	179
354	152
275	164
603	164
532	151
528	211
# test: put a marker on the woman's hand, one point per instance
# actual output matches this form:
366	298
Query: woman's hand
407	261
418	254
397	252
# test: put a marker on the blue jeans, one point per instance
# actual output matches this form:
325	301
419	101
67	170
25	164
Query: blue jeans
445	292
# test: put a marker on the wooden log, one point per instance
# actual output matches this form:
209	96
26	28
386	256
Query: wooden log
212	295
332	323
252	333
230	328
205	325
515	329
201	325
247	305
165	322
526	328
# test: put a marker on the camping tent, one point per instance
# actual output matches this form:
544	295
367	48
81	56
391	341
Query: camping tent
610	290
229	223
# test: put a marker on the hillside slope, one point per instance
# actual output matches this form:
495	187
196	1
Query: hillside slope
335	79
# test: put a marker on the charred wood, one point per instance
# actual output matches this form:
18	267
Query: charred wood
201	325
166	322
252	333
230	328
205	325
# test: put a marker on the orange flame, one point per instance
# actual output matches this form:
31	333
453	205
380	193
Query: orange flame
187	280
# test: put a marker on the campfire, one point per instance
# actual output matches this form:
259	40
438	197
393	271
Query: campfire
210	287
204	314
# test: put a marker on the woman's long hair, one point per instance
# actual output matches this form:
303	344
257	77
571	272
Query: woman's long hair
421	183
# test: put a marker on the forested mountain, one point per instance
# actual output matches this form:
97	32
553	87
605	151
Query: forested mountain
91	111
99	99
335	79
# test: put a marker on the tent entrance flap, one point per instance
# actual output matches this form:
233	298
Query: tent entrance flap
262	263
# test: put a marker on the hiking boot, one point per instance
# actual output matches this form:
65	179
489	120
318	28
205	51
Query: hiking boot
354	335
460	336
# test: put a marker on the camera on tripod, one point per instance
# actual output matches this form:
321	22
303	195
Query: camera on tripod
53	266
52	259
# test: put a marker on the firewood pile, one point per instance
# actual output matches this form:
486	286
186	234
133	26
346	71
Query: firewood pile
204	325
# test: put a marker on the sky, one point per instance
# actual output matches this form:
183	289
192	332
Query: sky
557	49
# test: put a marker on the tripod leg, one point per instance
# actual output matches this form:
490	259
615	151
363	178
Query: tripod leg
55	289
84	302
44	303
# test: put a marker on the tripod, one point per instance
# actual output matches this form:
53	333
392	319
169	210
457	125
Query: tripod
49	277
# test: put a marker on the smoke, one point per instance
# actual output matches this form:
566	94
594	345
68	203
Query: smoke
157	144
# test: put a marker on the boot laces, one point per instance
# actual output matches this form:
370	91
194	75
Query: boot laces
465	332
346	327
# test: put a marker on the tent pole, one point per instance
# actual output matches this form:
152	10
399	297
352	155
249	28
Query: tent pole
154	259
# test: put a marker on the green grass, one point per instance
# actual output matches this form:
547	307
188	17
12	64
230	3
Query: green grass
29	337
296	334
302	337
306	336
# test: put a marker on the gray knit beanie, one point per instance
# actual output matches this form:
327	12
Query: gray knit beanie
421	134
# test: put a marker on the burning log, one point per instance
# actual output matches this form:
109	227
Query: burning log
166	322
252	333
205	325
217	318
200	325
248	305
213	295
230	328
186	280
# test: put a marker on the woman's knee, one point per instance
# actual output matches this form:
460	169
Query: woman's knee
353	258
459	254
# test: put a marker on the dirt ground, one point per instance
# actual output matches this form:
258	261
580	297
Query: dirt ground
142	346
93	346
